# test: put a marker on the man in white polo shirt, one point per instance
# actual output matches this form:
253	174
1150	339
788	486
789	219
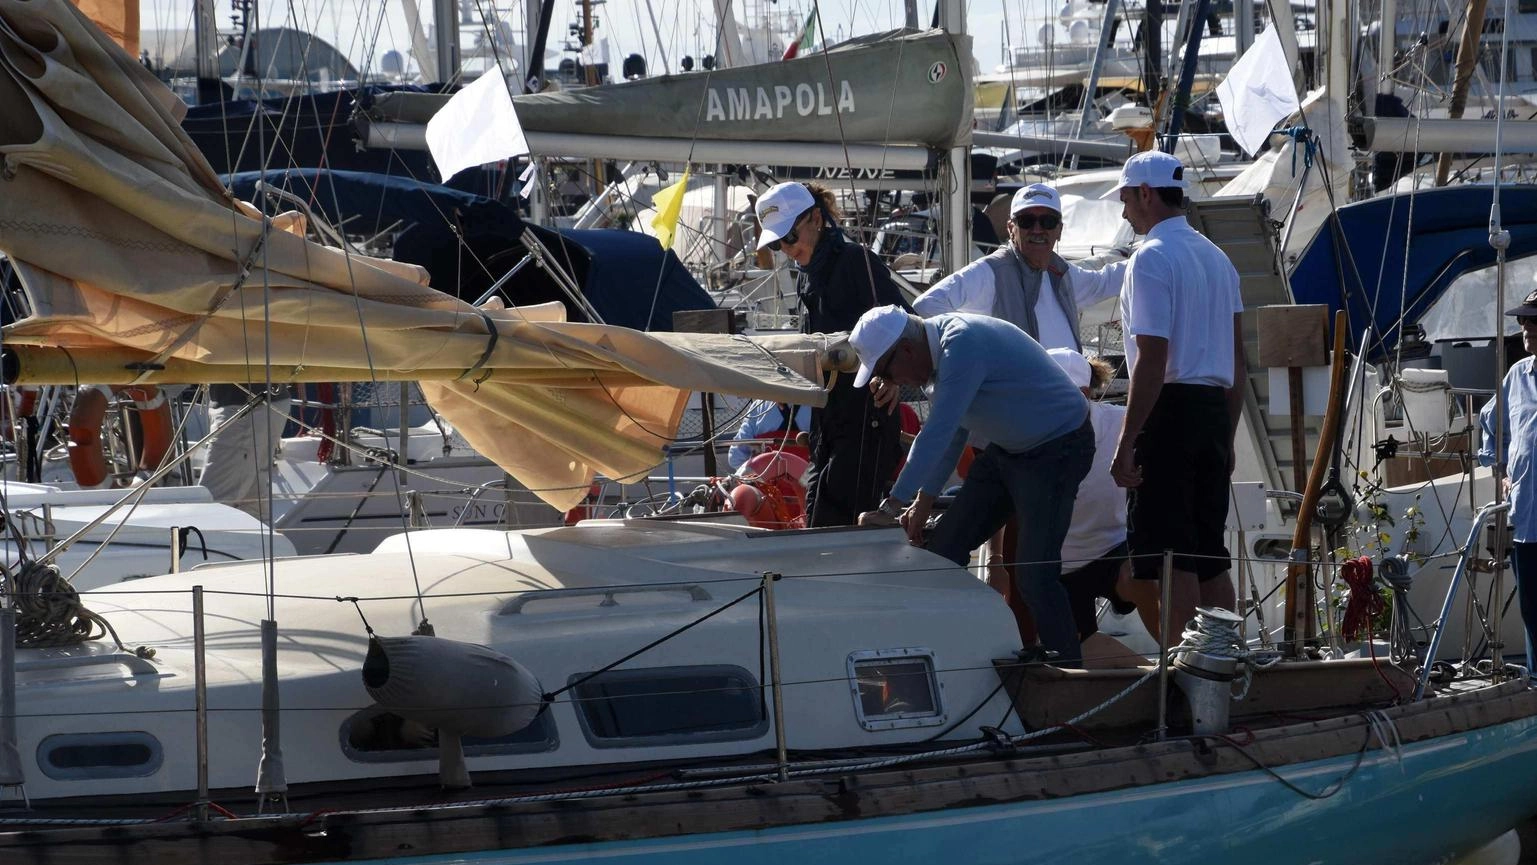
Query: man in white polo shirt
1180	310
1025	282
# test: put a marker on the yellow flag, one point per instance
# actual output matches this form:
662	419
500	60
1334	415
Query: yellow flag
669	206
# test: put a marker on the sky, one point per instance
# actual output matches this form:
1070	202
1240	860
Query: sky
363	28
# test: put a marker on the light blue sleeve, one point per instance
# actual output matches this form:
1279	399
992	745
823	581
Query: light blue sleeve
960	377
1486	453
752	426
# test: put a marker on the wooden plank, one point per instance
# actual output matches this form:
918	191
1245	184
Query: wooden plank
1293	335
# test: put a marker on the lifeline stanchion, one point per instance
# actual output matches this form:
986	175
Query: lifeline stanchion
175	550
1163	643
200	686
779	709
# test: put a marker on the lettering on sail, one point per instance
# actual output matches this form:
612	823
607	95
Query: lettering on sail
730	104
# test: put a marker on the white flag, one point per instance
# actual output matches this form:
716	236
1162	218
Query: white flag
477	126
1257	92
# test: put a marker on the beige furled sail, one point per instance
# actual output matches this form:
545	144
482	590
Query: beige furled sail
119	19
138	265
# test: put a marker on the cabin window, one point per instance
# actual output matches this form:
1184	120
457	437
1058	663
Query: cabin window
93	756
670	706
895	688
374	735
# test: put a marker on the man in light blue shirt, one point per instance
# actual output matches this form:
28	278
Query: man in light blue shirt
990	378
1519	429
767	419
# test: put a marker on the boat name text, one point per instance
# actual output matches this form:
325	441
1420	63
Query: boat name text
774	103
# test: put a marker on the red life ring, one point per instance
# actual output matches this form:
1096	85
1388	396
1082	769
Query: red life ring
88	457
771	495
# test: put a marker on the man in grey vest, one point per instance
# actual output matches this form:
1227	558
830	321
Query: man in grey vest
1026	282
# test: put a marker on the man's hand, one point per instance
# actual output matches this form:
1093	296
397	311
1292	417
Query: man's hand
916	517
1124	467
876	518
887	393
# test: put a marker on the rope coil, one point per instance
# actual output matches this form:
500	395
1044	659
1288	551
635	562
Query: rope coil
49	612
1219	636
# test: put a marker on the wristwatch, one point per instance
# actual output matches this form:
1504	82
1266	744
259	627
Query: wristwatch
891	507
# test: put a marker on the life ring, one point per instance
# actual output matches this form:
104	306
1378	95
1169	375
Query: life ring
22	407
770	494
88	457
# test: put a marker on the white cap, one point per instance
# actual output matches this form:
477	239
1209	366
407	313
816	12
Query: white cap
1154	168
874	335
778	209
1035	195
1074	364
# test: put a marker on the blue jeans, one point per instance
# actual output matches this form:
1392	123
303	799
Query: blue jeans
1523	559
1040	485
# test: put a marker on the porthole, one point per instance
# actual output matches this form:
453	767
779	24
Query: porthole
89	756
895	688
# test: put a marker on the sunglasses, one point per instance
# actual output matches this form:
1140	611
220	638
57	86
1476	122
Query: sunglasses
792	236
883	366
1526	319
1047	221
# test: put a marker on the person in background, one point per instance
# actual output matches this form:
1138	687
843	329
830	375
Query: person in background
1025	281
1514	466
854	445
1181	312
988	377
238	469
767	419
1094	562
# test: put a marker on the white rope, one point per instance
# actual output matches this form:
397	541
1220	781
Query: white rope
1216	635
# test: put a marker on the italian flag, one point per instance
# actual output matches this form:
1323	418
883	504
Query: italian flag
807	38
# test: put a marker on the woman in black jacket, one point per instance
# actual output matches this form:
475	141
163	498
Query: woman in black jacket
854	444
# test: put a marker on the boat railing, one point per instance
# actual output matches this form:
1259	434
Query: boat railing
1463	560
609	594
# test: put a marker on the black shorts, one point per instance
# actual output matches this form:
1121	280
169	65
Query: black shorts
1091	582
1183	451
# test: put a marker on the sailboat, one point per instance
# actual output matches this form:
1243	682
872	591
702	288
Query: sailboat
639	690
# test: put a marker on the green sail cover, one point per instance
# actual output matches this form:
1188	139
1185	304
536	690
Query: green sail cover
912	88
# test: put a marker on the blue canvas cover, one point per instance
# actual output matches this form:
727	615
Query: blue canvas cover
626	276
1357	262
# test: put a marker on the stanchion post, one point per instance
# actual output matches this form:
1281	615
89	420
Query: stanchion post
200	688
1165	595
773	640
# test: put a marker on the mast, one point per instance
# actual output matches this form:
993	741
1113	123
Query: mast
589	57
958	206
205	39
1152	51
1467	58
1187	74
1106	28
445	14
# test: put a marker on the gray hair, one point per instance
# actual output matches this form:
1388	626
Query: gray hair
913	330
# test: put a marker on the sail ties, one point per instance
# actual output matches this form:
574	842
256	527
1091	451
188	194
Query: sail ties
222	297
492	336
